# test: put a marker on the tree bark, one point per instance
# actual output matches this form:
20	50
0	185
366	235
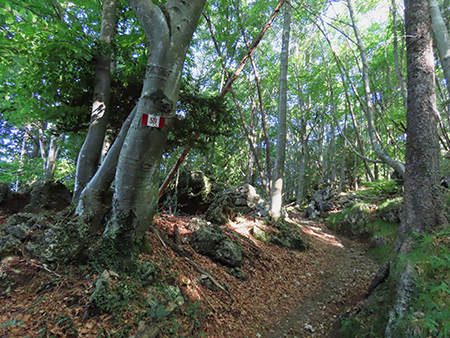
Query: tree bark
169	29
398	70
90	203
52	155
442	39
343	159
423	205
90	153
277	184
422	195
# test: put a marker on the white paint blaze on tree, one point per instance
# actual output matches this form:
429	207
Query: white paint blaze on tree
277	185
169	29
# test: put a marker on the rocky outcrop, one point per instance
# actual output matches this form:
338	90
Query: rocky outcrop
241	199
357	218
391	212
16	229
49	195
322	201
193	192
288	236
4	190
211	241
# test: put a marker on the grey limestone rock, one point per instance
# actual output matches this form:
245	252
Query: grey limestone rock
211	241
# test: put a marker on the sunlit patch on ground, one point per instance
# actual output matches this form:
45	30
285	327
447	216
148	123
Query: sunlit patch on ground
244	225
316	230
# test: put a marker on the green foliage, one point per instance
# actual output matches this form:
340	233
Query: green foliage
199	113
384	187
371	322
432	306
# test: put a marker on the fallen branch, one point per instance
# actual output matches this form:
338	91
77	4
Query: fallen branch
170	243
206	273
187	256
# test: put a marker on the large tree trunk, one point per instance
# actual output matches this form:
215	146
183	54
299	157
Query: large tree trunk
91	151
169	29
422	196
399	167
277	185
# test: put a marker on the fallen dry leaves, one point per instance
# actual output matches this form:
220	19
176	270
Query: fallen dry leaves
278	282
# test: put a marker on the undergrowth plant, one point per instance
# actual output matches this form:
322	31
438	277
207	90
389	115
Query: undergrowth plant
384	187
431	317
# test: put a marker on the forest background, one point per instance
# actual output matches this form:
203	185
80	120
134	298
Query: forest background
322	100
48	71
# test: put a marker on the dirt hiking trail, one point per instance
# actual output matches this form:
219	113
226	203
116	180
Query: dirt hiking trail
345	277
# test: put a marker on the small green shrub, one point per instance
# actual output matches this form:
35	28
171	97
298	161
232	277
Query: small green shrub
384	187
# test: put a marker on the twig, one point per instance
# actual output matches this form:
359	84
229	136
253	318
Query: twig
157	234
201	270
204	297
31	262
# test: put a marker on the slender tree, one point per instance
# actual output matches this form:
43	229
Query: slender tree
399	167
90	153
277	185
442	39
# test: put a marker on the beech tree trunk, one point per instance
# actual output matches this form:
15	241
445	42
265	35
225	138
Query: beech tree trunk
91	151
91	202
169	29
443	40
52	156
277	184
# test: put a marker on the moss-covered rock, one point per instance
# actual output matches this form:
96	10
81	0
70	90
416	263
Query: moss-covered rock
193	192
62	242
289	236
221	210
9	245
49	195
357	217
390	211
16	229
260	234
241	199
212	242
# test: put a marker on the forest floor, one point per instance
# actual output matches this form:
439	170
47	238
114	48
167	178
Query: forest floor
286	293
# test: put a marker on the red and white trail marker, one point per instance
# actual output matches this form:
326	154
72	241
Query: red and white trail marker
153	121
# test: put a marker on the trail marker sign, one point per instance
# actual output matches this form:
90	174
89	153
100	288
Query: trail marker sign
153	121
